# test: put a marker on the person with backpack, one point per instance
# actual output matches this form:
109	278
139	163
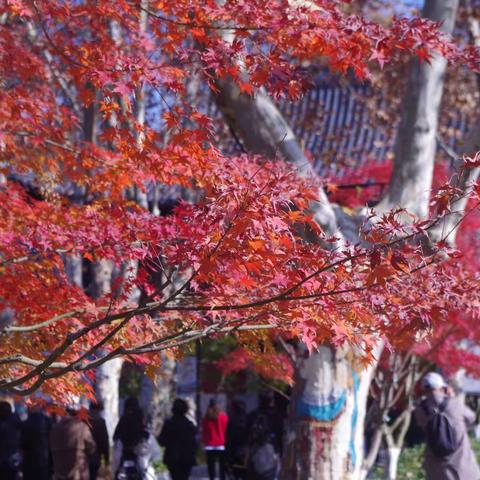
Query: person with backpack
178	436
265	429
135	448
262	459
10	443
444	419
214	427
267	418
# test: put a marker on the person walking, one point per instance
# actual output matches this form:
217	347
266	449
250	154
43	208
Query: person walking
10	443
135	448
444	418
98	427
178	436
35	449
71	445
214	427
237	440
267	420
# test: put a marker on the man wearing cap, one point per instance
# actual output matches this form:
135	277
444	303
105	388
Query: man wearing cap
461	463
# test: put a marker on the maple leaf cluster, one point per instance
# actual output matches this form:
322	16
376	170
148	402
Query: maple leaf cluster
233	262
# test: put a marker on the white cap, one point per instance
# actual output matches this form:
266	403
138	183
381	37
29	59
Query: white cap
433	380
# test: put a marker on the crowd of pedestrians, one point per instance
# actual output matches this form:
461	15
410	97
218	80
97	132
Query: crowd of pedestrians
75	446
240	446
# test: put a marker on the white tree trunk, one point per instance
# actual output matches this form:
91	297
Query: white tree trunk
314	450
324	440
365	379
393	457
73	269
106	389
370	459
107	375
415	148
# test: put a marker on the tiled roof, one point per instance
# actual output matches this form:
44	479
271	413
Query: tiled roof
337	128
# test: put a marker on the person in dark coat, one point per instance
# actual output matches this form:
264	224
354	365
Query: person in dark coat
135	448
10	443
98	427
130	429
267	420
237	440
178	437
36	456
460	464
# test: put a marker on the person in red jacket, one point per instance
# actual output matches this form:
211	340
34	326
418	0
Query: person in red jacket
214	426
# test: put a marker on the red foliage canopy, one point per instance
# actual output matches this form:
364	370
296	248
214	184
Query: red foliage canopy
235	261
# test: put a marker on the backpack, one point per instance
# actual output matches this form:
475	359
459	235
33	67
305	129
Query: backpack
129	468
442	438
263	462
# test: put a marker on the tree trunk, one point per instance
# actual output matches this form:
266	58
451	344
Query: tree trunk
107	375
324	439
258	123
331	449
391	468
106	389
156	396
74	269
411	179
373	450
466	178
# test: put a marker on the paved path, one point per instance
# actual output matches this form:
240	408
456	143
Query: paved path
198	473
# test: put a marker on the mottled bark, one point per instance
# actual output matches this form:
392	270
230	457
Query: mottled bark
325	425
415	147
74	269
314	450
107	376
464	178
106	390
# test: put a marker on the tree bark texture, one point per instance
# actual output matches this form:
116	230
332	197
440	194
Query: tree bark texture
464	178
328	446
107	376
414	154
326	417
106	389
